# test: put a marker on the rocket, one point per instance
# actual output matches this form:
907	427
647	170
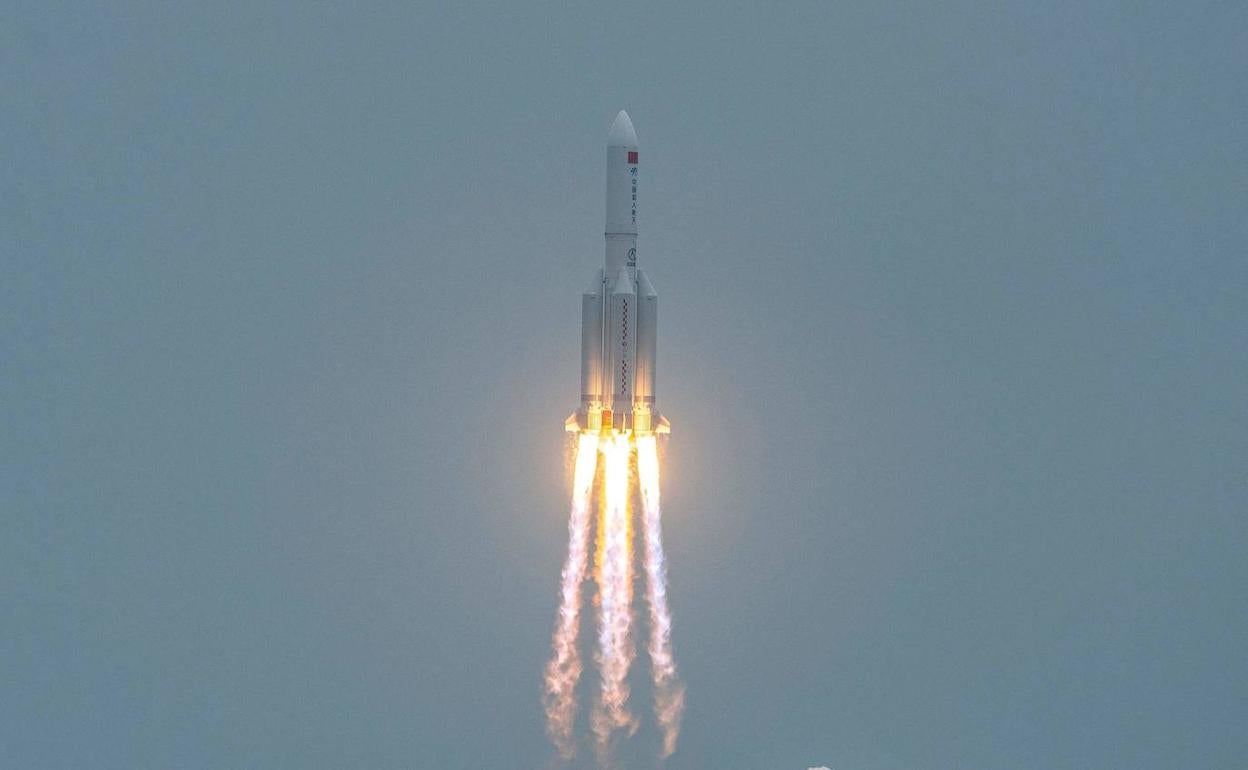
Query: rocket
619	312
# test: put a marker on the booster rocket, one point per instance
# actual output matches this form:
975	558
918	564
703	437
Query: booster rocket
619	312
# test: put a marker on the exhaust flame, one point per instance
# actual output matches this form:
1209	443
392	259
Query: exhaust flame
669	692
613	573
564	668
615	647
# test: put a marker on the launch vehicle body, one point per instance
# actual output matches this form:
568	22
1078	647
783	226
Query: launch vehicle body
619	312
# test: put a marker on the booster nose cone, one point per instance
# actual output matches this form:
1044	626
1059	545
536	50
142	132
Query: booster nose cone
622	133
623	283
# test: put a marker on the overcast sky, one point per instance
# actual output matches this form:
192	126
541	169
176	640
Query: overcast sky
954	342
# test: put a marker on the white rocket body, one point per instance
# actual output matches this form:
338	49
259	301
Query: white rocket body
619	312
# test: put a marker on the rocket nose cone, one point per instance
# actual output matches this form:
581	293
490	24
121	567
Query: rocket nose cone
644	287
622	133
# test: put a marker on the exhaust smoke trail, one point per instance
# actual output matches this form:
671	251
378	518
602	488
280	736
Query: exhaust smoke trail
613	573
669	691
615	647
564	668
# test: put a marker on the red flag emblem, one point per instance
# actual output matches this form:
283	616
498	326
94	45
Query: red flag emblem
632	156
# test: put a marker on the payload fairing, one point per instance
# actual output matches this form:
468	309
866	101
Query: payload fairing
619	312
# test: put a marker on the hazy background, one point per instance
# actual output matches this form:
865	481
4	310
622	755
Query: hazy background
954	340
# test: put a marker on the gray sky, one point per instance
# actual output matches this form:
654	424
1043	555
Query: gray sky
954	340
